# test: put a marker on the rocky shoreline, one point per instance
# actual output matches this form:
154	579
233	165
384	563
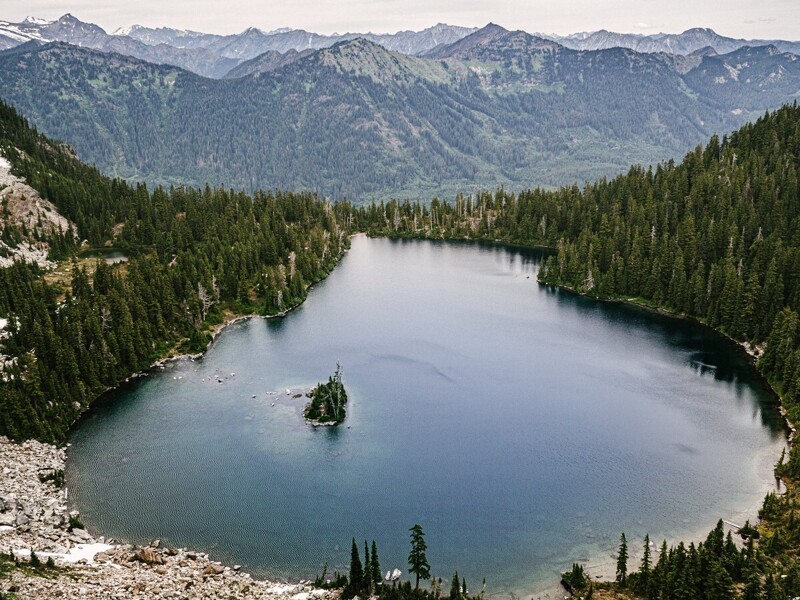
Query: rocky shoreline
34	516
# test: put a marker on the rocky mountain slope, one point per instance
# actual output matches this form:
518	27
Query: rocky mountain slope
27	220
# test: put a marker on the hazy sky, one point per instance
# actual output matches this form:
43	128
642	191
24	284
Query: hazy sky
736	18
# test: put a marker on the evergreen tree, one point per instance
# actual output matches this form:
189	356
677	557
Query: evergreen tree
622	560
772	590
455	587
719	585
417	561
367	571
356	583
752	591
643	580
375	570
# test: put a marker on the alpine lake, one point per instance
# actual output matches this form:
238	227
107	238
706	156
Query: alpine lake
522	426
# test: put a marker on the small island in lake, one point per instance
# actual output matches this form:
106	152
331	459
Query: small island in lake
327	401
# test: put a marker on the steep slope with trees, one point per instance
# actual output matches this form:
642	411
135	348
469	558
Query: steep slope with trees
195	255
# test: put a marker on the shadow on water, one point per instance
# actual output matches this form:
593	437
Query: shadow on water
709	353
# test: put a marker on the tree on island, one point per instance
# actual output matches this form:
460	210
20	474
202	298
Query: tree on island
328	400
417	561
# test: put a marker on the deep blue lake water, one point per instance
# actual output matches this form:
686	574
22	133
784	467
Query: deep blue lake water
524	428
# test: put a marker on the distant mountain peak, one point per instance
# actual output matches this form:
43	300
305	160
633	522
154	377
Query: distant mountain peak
489	42
69	28
492	28
364	58
706	30
357	44
35	21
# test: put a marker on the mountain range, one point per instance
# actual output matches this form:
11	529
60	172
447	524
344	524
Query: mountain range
688	42
496	107
207	54
217	56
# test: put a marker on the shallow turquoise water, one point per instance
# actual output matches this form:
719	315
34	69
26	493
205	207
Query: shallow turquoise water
522	427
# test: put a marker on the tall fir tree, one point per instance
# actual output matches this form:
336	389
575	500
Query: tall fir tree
375	567
356	582
455	587
622	561
417	560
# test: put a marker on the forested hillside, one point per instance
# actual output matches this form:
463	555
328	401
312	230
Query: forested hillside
194	255
357	121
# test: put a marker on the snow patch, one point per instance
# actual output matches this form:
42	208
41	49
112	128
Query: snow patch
36	21
4	164
79	552
85	552
22	34
3	323
15	34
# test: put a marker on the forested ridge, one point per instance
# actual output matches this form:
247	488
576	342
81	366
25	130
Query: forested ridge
195	254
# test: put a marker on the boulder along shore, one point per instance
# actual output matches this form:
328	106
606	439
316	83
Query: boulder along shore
34	516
